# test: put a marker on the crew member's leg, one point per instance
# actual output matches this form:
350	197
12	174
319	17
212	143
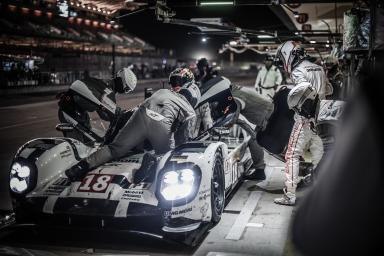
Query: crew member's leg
300	136
160	136
316	148
133	133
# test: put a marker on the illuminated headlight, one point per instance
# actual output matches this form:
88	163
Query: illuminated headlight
19	178
178	184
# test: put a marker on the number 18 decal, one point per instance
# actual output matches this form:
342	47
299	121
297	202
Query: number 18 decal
97	183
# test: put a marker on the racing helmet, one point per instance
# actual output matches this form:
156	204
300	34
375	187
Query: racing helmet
181	77
192	93
125	80
303	100
290	54
201	63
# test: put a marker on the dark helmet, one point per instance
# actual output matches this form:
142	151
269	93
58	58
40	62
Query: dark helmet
269	58
203	62
181	77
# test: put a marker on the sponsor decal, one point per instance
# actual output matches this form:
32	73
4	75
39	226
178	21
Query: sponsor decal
95	183
129	160
204	194
204	210
177	212
132	195
66	153
142	185
155	116
57	187
313	69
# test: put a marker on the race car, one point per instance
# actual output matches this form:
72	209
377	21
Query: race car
182	195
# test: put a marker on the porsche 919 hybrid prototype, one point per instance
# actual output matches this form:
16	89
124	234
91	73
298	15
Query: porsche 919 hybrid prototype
183	195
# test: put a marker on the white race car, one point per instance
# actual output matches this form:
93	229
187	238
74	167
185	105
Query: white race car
182	196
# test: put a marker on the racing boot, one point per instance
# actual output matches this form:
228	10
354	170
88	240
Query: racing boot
78	171
146	170
257	174
288	198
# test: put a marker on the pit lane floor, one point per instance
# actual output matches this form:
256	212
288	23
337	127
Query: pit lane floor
251	223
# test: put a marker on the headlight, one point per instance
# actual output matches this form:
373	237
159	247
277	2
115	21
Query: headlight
20	177
178	184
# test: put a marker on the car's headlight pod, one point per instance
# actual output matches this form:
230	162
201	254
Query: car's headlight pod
22	177
180	185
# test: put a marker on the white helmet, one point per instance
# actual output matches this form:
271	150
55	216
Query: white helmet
302	99
192	93
128	80
290	54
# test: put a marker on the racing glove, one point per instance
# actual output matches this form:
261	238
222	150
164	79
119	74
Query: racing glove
78	171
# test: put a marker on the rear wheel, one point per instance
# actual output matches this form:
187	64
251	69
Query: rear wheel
217	188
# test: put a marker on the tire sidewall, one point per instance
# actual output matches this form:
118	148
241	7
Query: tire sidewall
218	159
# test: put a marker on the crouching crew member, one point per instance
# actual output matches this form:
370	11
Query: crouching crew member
165	113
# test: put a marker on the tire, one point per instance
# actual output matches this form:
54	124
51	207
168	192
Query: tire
217	188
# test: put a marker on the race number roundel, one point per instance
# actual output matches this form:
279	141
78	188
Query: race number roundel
97	183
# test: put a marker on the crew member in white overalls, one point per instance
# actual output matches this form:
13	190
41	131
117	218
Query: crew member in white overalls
268	78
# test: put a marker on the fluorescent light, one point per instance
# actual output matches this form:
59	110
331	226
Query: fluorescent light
264	36
203	39
312	42
216	3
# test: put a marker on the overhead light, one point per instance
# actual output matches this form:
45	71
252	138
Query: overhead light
312	41
232	43
327	45
296	33
327	41
216	3
264	36
296	15
204	40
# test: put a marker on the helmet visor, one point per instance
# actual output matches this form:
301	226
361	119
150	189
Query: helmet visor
175	81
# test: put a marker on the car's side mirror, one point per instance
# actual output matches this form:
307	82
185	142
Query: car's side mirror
64	127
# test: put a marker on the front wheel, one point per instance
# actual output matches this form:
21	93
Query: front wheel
217	188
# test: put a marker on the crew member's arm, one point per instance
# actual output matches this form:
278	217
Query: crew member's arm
185	130
206	117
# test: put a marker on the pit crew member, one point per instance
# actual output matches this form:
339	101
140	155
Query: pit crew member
92	94
268	79
311	76
168	112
